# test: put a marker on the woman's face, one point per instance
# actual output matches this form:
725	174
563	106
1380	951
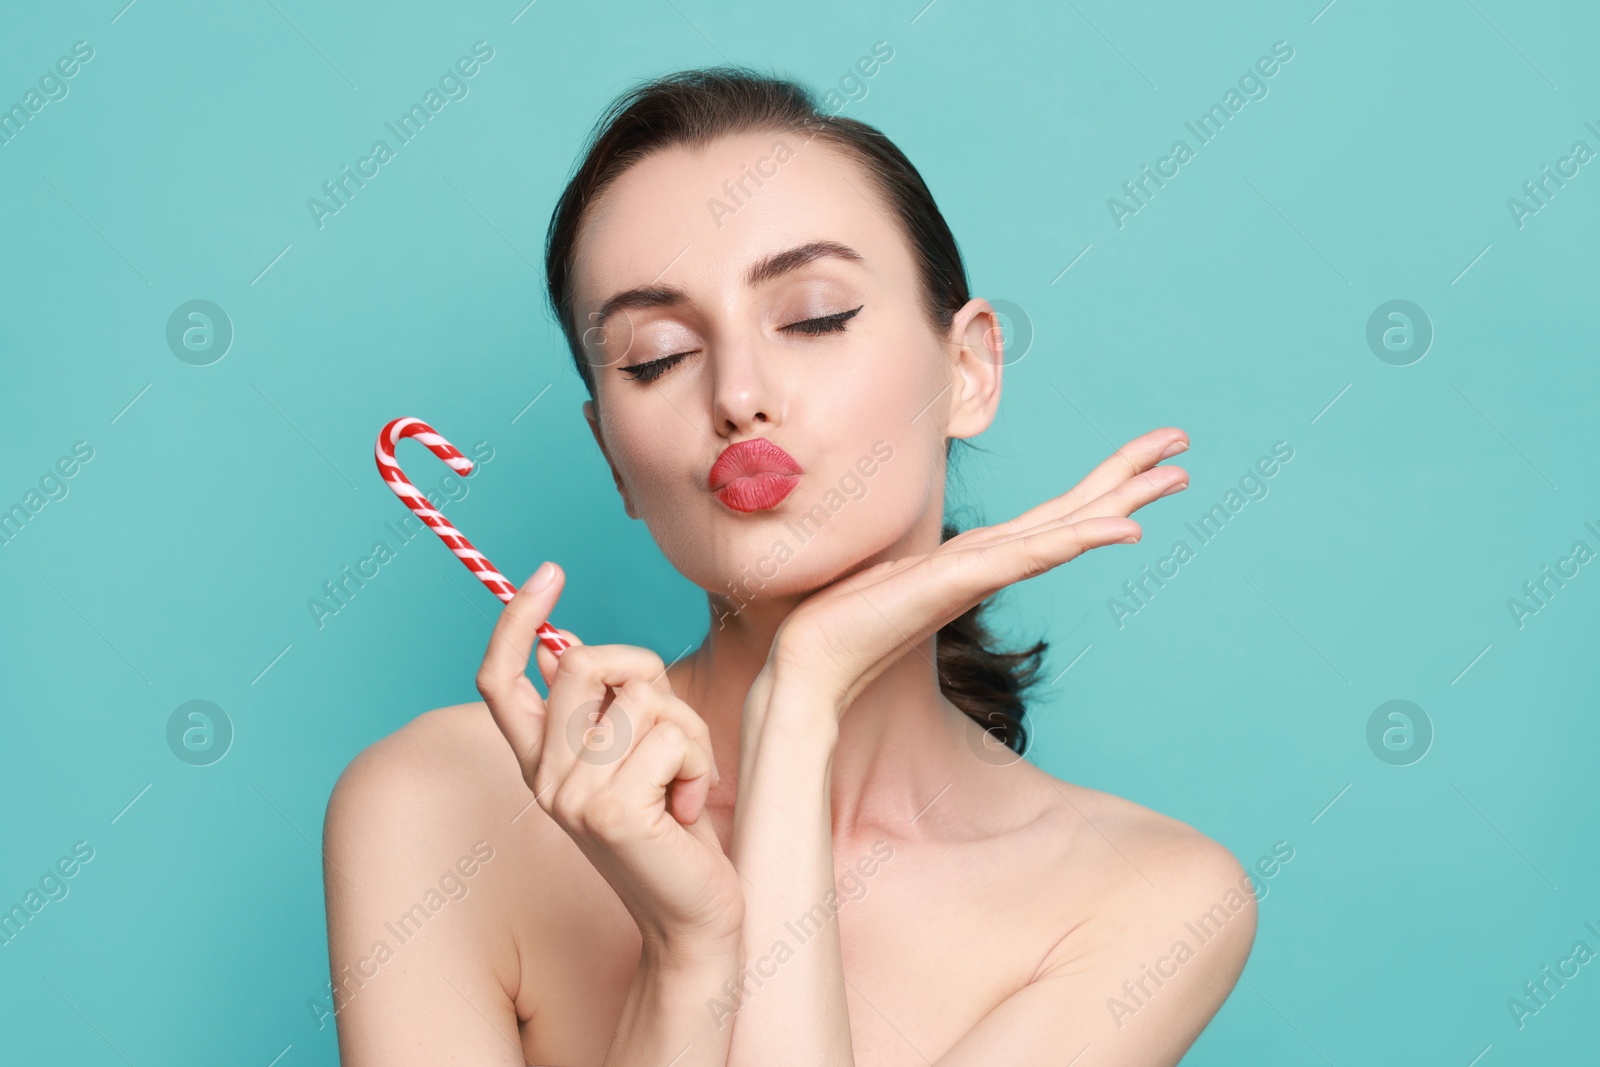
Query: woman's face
864	401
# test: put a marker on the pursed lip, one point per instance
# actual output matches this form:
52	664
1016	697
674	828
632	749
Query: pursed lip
754	475
748	458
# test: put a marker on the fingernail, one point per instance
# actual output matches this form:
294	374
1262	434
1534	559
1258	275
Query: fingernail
1174	448
1169	490
541	577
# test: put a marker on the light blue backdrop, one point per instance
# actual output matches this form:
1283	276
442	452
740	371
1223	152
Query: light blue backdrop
176	563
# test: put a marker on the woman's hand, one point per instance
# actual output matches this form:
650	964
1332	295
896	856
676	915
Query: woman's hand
843	636
625	774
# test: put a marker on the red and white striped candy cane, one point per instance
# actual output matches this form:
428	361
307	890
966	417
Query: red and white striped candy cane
476	561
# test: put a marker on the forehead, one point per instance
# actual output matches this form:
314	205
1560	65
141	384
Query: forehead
698	216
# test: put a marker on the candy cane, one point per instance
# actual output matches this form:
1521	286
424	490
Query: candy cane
476	561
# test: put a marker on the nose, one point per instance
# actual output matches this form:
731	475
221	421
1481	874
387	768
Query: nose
744	392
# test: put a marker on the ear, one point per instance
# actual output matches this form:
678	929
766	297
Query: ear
590	414
976	349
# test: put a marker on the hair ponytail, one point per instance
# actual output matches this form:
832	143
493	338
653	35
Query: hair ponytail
985	682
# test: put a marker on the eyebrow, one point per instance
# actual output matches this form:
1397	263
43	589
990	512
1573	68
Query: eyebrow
776	265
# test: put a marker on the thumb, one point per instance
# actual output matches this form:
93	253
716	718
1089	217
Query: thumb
505	664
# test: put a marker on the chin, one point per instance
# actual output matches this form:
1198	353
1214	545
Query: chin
827	527
780	558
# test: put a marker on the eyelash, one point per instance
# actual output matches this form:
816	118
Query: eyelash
649	372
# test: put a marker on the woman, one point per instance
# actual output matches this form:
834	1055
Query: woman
804	842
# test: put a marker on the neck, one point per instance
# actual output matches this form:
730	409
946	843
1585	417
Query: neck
900	742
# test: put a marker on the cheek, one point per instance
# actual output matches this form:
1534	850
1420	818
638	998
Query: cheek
890	401
649	454
663	462
644	460
889	375
901	399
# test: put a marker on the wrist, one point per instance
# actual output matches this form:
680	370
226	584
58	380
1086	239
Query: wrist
681	982
786	701
690	955
791	679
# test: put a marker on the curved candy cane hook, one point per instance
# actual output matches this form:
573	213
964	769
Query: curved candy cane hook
454	540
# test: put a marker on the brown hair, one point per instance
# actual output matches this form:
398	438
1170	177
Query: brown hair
693	108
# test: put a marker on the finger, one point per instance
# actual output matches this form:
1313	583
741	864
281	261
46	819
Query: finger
637	708
957	580
547	659
667	763
1126	498
506	662
1050	546
1128	462
579	693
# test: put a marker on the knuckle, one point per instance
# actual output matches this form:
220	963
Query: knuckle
606	814
1034	559
964	570
639	693
671	734
574	670
636	702
564	807
697	725
579	659
693	725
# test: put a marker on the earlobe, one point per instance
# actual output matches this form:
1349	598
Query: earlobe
592	417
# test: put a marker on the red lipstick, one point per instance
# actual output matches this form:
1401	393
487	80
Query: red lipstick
753	475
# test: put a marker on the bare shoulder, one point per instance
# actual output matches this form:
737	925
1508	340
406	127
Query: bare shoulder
439	773
1145	926
443	777
1149	892
430	740
418	833
1164	849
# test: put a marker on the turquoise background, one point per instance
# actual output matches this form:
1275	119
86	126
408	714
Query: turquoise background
1234	304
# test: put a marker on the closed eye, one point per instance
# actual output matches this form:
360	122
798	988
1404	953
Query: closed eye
826	324
655	368
649	372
